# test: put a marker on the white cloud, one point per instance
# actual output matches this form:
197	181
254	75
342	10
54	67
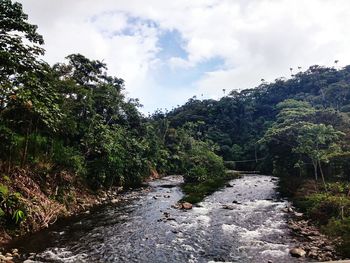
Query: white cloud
255	39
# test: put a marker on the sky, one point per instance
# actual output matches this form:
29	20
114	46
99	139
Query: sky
168	51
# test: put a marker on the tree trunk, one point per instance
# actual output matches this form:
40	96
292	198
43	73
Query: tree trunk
314	163
324	182
10	160
25	151
35	140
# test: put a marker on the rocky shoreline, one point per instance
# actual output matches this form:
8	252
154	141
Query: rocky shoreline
84	205
313	244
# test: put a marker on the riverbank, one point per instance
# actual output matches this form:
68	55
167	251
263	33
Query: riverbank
46	199
316	245
247	216
239	207
320	219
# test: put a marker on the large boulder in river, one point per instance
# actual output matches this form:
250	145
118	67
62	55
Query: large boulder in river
297	252
186	206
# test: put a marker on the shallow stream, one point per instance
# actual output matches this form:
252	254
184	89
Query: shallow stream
241	223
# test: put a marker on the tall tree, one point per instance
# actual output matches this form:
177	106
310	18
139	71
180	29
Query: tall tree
19	49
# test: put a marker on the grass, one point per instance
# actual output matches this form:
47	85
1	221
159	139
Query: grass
196	192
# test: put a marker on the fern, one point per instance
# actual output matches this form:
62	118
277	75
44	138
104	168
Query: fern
18	216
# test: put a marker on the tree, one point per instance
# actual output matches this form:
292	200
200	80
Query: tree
318	142
298	130
27	97
19	49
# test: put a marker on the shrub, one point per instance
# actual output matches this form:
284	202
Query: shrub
321	207
11	208
69	158
340	228
202	164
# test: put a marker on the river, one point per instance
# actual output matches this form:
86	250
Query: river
241	223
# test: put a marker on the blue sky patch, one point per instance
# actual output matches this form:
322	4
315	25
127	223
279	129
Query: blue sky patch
171	45
170	78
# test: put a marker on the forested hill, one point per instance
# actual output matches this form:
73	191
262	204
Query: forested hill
238	121
297	129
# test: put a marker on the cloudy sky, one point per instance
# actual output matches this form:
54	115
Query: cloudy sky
170	50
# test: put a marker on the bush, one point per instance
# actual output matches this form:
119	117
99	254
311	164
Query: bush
203	164
340	228
204	172
11	209
321	207
69	158
195	192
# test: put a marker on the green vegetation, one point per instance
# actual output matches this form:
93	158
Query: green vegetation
196	191
71	122
297	129
329	209
11	209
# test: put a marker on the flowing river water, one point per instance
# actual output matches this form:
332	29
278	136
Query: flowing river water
241	223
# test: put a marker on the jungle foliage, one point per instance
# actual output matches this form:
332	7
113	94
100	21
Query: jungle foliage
73	117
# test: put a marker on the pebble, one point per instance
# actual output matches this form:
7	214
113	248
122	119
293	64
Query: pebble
297	252
115	200
186	205
228	207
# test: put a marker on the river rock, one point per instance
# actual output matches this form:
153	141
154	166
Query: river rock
166	214
186	206
115	200
297	252
297	214
313	254
228	207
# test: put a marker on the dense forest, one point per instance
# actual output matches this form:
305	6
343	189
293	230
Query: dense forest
69	126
